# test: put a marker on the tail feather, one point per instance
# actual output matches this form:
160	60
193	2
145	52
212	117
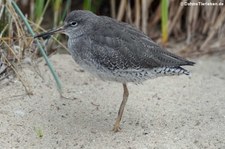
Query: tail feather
190	63
183	71
171	71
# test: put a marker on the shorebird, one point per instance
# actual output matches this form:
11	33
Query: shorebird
116	51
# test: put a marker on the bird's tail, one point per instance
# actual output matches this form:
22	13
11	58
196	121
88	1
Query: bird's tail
172	71
180	70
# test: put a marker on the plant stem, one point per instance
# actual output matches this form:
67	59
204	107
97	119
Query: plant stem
17	9
164	18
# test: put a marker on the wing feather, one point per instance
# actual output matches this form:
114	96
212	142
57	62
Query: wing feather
123	46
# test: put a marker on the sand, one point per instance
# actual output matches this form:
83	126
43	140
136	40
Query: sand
167	112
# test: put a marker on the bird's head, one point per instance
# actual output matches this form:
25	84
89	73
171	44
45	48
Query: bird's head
76	23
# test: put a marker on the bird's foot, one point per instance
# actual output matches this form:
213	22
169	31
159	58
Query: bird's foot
116	128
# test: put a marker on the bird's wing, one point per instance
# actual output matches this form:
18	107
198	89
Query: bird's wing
123	46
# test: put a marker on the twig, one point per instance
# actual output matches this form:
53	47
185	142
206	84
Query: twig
137	13
214	29
174	21
122	9
145	5
29	92
128	13
113	8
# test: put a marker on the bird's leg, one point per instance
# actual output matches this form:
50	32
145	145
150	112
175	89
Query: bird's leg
116	127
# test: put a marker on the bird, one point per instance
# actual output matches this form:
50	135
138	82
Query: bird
116	51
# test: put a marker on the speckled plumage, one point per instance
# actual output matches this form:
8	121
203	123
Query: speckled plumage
116	51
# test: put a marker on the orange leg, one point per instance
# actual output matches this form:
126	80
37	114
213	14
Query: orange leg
116	127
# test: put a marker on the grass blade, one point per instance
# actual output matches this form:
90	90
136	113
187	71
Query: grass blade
87	5
164	19
39	6
17	9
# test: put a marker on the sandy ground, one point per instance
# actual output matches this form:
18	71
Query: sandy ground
168	112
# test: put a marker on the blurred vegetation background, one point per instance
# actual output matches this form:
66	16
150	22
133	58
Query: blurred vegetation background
199	28
187	30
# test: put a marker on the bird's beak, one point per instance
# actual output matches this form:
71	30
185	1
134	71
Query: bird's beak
47	34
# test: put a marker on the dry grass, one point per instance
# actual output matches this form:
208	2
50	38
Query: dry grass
16	46
200	28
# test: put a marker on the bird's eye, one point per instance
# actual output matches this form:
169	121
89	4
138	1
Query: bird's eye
73	23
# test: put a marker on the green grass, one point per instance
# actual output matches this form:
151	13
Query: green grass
164	20
87	4
38	9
